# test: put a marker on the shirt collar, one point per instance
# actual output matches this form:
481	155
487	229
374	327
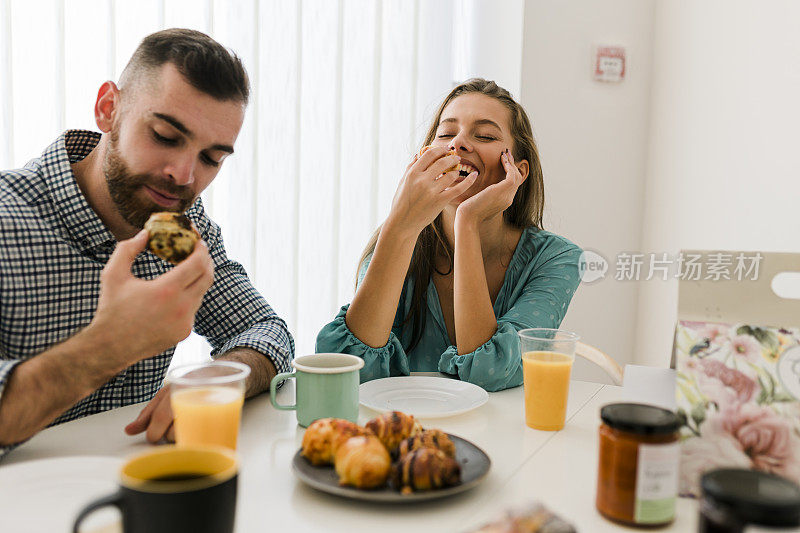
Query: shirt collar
84	226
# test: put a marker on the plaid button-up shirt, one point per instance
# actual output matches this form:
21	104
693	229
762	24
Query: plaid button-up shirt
53	247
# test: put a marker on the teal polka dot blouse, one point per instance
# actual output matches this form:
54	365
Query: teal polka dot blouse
538	286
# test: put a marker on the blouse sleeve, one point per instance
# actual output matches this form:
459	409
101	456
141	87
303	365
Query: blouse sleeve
542	303
388	360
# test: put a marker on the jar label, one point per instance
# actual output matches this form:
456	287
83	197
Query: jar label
656	483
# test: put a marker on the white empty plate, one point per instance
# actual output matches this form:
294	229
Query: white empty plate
47	494
422	396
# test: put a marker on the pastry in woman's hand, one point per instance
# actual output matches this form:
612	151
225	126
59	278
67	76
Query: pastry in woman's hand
430	438
462	171
324	436
425	469
393	428
362	462
172	236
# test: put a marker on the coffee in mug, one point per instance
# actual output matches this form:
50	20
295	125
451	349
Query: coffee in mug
172	489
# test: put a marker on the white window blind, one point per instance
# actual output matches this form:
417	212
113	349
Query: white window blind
342	92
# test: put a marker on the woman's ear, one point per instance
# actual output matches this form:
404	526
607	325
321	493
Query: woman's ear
106	106
523	168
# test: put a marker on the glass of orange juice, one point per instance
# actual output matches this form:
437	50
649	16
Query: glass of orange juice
547	356
207	402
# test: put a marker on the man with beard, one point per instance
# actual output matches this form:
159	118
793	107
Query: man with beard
89	320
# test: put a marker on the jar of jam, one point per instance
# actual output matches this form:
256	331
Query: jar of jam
637	477
738	501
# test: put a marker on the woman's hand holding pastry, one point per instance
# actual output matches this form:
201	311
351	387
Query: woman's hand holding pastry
427	186
495	198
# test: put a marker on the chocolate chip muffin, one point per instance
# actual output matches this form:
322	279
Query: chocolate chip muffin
172	236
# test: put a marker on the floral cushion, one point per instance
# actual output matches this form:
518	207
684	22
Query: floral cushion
738	394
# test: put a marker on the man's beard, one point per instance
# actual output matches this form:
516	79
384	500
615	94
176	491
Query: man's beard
123	186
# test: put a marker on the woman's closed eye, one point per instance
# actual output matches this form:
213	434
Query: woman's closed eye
479	137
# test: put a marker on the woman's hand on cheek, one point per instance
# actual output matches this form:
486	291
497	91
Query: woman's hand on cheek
495	198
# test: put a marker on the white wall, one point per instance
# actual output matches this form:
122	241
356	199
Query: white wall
704	160
593	140
488	43
722	171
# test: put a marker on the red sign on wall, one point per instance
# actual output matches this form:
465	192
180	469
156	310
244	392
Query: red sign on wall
609	64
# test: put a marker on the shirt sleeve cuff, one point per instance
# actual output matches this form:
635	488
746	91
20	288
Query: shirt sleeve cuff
271	339
495	365
6	369
388	360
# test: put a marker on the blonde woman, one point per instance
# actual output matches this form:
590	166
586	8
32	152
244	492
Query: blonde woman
461	263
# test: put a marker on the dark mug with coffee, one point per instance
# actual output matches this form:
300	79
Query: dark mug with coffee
176	490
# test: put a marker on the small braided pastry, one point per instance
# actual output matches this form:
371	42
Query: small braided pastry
425	469
393	428
430	438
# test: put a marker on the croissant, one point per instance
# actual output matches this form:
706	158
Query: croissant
430	438
425	469
324	436
362	462
393	428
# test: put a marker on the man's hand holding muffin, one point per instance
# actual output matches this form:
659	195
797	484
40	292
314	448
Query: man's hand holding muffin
135	319
142	318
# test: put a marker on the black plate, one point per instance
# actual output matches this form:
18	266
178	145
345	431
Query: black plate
474	467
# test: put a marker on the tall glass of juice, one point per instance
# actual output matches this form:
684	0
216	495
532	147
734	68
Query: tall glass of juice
547	356
207	402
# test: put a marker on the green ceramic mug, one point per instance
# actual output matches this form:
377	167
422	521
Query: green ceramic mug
327	386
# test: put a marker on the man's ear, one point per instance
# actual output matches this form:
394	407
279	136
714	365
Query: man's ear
107	106
523	168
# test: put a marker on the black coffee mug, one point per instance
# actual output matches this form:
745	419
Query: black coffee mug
175	489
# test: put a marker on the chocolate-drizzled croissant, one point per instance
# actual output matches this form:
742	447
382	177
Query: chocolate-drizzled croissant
430	438
425	469
324	436
392	428
362	462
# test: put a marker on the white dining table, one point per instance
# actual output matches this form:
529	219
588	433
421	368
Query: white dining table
557	469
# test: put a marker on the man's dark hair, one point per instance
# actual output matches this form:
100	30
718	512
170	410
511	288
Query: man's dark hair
204	63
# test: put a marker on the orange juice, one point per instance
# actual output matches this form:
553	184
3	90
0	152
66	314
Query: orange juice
546	379
207	415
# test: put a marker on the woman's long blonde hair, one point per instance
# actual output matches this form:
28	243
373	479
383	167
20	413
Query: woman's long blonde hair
525	211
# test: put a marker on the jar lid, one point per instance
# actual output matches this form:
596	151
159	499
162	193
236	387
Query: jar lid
640	419
754	497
